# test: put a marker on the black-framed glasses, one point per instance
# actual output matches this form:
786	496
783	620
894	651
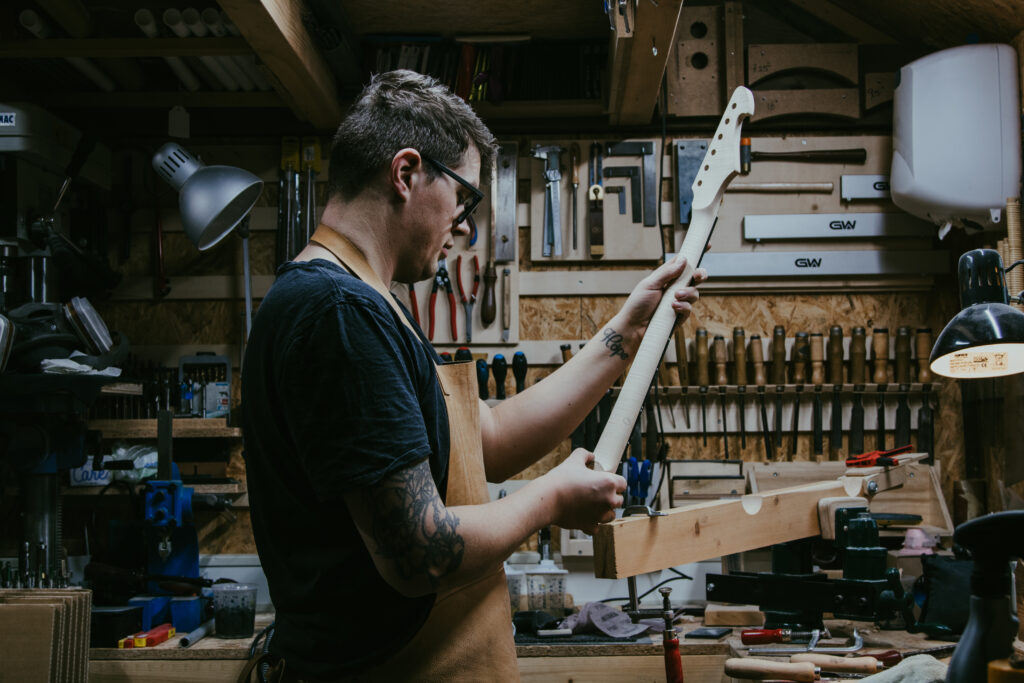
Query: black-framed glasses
475	195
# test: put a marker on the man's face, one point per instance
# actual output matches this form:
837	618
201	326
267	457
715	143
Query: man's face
433	229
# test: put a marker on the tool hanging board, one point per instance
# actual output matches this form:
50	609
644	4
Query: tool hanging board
624	239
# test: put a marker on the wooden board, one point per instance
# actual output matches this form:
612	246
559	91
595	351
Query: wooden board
696	69
597	669
841	102
837	59
635	545
654	27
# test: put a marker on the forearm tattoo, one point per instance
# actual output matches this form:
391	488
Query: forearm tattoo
413	529
613	340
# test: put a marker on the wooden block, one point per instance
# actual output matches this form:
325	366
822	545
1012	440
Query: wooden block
844	102
635	545
838	59
695	68
733	615
878	89
827	512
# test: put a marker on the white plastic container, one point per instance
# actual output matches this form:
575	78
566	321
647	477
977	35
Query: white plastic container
545	586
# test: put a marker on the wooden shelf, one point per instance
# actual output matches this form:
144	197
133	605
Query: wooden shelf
185	428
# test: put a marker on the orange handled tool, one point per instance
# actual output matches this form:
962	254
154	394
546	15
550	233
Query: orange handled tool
762	636
872	458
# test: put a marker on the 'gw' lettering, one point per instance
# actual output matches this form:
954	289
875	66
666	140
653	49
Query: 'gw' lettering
808	263
843	225
881	185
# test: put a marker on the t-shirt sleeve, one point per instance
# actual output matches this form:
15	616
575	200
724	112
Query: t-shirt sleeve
350	392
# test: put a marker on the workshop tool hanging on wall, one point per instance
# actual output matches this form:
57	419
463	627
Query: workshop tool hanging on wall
488	307
880	353
778	378
835	375
689	154
467	303
574	163
506	303
650	178
720	165
739	358
499	368
799	356
504	198
858	377
856	155
817	380
595	202
925	419
287	194
700	351
550	155
757	363
902	376
721	359
519	367
310	168
682	366
633	173
442	281
481	379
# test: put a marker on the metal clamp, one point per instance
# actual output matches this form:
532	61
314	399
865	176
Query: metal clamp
858	643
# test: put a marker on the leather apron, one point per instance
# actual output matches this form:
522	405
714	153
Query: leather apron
468	633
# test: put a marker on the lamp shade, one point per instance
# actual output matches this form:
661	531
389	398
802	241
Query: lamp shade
213	199
986	338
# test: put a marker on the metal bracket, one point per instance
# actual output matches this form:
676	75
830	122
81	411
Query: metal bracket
633	173
644	150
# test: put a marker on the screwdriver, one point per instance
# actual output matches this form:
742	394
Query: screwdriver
463	353
481	378
500	369
519	370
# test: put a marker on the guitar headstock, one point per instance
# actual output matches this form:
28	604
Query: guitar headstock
722	160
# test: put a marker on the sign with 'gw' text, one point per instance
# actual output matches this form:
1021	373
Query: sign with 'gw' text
804	226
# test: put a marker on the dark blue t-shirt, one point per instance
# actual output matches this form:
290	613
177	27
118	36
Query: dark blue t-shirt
337	393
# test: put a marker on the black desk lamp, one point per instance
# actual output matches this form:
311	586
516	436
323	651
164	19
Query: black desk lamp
214	200
986	338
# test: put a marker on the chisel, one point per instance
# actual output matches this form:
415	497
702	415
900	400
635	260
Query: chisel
778	377
499	367
858	354
684	371
902	376
519	370
925	420
700	350
835	375
750	668
880	376
757	361
817	379
739	359
798	358
721	379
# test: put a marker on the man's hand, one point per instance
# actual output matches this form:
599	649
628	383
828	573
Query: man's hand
584	497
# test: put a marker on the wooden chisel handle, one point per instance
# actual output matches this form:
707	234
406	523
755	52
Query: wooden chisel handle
799	356
817	359
700	349
923	347
721	360
853	665
902	370
739	355
487	305
880	353
757	359
682	363
506	300
779	355
835	354
763	669
858	355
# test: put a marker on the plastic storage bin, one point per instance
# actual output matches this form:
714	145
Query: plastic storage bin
234	609
545	586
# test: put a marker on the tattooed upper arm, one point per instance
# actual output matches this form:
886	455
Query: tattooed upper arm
412	537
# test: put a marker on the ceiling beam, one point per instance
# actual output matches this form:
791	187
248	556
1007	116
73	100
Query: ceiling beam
637	80
274	31
123	47
836	16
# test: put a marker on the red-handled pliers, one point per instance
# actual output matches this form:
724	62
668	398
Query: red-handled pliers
441	279
468	303
872	458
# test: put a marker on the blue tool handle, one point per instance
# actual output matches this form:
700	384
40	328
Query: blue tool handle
481	377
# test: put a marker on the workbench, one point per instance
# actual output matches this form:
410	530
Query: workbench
218	660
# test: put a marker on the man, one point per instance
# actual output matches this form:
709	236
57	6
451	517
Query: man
365	457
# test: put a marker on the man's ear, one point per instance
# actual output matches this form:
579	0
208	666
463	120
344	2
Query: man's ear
406	170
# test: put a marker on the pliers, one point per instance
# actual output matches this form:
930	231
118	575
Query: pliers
441	279
872	458
468	303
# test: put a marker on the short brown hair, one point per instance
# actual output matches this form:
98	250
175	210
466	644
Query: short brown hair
400	109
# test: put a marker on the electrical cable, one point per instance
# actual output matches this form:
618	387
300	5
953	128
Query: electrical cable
643	595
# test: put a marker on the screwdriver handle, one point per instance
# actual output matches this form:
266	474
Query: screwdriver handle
779	355
835	354
739	355
487	306
481	378
463	353
799	356
519	370
763	636
757	359
762	669
880	354
923	347
721	360
700	350
902	370
499	366
817	359
566	352
858	356
682	363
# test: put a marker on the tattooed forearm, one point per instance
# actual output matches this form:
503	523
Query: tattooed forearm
412	527
613	340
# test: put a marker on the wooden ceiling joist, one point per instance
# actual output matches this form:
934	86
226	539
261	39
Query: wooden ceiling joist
274	31
636	79
856	28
